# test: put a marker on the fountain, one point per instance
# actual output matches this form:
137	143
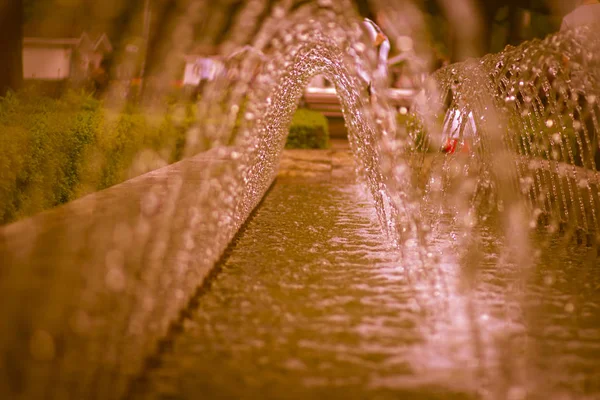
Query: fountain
543	101
470	236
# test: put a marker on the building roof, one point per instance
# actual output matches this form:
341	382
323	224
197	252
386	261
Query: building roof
101	43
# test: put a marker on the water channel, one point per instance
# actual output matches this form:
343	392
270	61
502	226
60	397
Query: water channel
394	281
312	301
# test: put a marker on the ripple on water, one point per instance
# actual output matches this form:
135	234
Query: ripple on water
281	321
350	320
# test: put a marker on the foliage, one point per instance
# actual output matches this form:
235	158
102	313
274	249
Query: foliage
309	130
54	151
416	130
43	143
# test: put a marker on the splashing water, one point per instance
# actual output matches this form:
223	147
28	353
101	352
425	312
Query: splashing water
531	159
519	171
536	118
313	41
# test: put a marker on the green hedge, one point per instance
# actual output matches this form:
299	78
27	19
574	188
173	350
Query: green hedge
309	130
43	143
420	139
54	151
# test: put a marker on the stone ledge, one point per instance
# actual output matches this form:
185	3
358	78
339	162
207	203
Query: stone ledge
89	288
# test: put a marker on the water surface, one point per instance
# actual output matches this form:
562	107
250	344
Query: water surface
313	303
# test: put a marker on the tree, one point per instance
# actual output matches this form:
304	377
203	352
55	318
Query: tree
486	14
11	45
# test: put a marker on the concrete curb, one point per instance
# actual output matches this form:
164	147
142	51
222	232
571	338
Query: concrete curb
89	288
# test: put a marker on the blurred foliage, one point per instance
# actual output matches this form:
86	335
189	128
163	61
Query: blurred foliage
43	146
69	18
55	151
216	22
529	25
309	130
504	22
420	139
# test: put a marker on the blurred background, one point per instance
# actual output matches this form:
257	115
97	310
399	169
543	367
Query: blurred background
93	44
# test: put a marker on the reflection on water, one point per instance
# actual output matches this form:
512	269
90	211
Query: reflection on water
549	320
312	303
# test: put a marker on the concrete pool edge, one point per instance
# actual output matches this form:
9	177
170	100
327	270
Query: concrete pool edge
97	283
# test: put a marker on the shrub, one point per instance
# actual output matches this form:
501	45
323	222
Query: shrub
309	130
43	142
14	144
420	139
56	150
134	137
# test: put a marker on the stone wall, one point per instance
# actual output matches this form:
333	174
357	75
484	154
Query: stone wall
88	289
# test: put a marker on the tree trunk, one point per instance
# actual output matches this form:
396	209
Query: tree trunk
11	45
364	9
163	16
515	21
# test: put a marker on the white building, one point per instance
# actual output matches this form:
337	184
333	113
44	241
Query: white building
63	58
201	68
202	63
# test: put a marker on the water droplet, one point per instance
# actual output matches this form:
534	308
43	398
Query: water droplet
569	307
115	259
150	203
469	220
359	47
80	323
115	279
556	138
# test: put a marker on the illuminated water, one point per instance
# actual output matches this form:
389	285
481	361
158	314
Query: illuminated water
312	301
459	279
536	112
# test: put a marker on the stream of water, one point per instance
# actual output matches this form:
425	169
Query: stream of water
467	293
314	302
426	276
